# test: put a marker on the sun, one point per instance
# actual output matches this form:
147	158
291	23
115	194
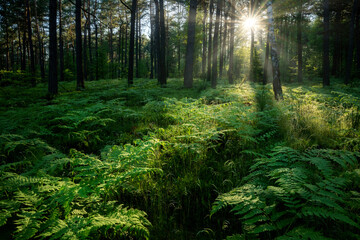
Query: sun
250	23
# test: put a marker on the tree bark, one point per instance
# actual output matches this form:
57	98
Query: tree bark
203	60
252	39
190	47
231	47
224	44
274	54
326	77
266	62
216	46
211	6
131	47
152	22
337	45
53	82
349	59
31	46
79	66
299	43
162	46
61	44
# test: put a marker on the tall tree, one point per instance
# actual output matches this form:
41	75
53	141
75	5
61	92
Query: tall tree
79	71
252	41
211	8
131	47
190	47
162	46
266	62
31	46
214	74
231	47
349	59
326	64
203	60
61	43
299	41
53	82
274	54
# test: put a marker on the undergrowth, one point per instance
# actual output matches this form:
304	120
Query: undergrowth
113	162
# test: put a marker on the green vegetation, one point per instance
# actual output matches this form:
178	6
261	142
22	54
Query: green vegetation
146	162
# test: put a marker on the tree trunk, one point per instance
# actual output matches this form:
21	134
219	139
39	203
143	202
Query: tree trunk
349	59
203	59
274	54
190	47
85	62
357	33
299	43
216	46
31	46
79	74
152	22
224	44
231	47
211	6
266	62
61	44
337	43
162	46
131	47
137	45
252	34
96	45
23	63
326	77
53	82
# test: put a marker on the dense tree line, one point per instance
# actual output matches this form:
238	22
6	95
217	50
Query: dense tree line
94	39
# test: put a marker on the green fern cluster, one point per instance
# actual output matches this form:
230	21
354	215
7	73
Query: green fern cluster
76	197
296	195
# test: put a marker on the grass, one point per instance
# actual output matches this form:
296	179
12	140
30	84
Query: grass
154	155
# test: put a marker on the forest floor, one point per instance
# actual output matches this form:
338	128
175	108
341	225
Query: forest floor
171	163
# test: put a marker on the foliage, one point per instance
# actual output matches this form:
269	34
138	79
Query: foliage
292	194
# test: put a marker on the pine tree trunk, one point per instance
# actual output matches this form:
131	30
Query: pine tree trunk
137	45
266	62
326	77
214	74
349	59
252	34
224	44
274	54
53	82
299	44
23	63
203	60
190	47
211	6
79	66
61	44
337	43
231	47
131	47
31	46
162	46
152	22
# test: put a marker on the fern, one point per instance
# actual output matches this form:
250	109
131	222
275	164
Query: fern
292	194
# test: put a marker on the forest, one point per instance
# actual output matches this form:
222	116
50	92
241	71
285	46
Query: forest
180	119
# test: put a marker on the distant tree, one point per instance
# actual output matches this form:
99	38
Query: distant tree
349	59
326	67
31	45
231	47
211	9
61	43
53	82
79	65
132	40
299	41
190	47
274	54
214	73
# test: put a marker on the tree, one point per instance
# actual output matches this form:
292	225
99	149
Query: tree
162	46
61	43
53	82
231	47
131	47
211	8
216	46
266	62
349	59
190	47
326	63
31	46
80	78
274	54
299	42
